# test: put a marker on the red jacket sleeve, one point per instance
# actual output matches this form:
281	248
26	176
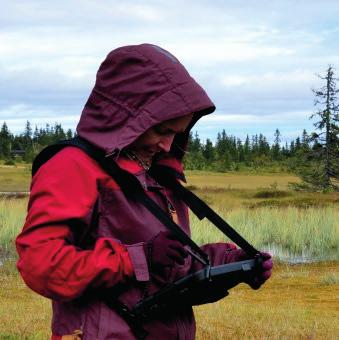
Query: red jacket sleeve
65	189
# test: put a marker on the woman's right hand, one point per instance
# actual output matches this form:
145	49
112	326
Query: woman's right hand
164	250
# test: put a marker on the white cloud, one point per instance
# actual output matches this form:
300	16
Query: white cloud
290	124
16	116
277	117
253	58
224	51
270	79
144	12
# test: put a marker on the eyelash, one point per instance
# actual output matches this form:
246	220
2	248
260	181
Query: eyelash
158	130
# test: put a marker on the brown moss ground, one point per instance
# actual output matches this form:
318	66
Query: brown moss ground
299	302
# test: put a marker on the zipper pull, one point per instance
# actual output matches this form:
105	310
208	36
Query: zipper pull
172	212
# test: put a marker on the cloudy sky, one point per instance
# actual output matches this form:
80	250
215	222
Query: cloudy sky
258	60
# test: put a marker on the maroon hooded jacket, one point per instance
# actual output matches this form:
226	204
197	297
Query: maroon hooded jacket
81	232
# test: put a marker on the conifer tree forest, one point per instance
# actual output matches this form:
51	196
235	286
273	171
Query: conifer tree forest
226	154
313	157
27	145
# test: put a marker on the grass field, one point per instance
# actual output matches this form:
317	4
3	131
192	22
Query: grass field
299	301
15	178
234	180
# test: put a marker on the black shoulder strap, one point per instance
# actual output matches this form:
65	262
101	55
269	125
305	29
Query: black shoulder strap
48	152
165	177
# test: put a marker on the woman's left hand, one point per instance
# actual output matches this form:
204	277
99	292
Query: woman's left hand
263	273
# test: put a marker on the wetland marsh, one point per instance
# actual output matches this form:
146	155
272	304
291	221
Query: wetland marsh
301	300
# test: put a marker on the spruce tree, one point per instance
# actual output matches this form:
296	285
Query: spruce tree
194	159
247	150
208	151
319	168
69	134
276	145
5	141
305	141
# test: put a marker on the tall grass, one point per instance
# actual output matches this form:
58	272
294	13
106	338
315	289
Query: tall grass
12	216
288	232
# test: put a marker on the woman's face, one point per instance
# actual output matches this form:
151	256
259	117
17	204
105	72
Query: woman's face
159	137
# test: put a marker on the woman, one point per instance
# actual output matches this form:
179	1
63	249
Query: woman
82	235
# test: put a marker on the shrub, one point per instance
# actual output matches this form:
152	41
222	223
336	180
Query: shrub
9	162
268	193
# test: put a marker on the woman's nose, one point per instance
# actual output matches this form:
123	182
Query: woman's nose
166	142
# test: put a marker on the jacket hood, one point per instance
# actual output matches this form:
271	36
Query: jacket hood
136	87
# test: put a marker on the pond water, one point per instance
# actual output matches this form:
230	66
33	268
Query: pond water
283	255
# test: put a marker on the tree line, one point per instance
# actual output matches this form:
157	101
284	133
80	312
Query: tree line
227	153
230	153
27	145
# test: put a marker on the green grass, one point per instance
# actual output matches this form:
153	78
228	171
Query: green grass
15	178
12	217
330	279
289	224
